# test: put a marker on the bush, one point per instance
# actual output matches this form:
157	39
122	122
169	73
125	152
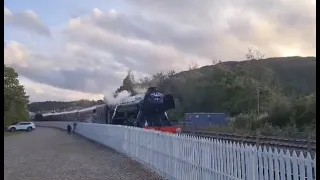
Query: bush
279	111
241	121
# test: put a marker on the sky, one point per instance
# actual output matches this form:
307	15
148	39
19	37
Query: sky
69	50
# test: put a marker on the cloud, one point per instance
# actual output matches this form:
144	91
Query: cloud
135	52
224	26
215	28
43	92
95	50
71	69
26	20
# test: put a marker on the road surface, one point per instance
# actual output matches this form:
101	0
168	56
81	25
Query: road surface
51	154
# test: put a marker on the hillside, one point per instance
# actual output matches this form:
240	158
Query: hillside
284	88
294	74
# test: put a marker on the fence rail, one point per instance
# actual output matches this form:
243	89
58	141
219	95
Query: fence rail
185	157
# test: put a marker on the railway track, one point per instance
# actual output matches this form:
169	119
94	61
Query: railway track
303	145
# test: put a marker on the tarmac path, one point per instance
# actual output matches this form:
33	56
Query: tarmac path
52	154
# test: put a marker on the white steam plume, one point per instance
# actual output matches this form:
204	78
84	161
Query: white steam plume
140	90
111	100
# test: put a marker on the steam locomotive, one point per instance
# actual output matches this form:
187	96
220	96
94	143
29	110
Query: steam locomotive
131	111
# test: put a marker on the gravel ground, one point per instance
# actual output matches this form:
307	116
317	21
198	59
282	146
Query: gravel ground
51	154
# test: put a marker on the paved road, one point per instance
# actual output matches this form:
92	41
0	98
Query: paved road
50	154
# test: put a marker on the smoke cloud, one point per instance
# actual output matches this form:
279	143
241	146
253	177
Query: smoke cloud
140	90
111	100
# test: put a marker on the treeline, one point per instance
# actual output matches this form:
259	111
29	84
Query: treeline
48	106
273	92
15	99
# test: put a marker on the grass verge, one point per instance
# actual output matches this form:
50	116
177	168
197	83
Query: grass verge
11	133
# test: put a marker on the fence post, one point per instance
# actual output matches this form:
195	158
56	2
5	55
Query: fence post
257	137
242	137
254	162
309	141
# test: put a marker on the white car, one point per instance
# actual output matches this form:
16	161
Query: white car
22	126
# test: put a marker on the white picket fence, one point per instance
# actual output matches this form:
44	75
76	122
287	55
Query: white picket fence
181	157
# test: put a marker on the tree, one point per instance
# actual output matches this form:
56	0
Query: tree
15	98
304	110
193	66
215	61
171	73
254	54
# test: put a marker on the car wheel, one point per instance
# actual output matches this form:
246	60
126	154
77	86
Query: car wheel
12	129
29	129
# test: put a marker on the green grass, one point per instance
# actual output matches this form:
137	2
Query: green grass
11	133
